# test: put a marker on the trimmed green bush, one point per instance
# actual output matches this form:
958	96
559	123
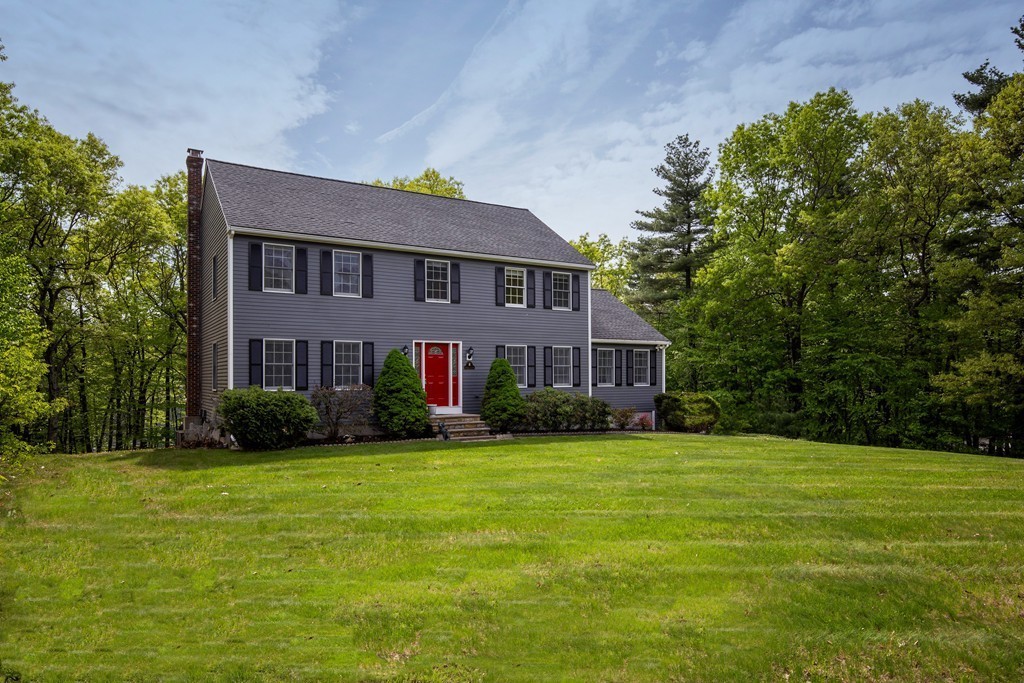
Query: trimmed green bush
550	410
503	407
267	420
692	412
399	400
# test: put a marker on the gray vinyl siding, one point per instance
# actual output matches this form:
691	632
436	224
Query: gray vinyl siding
213	234
641	398
393	319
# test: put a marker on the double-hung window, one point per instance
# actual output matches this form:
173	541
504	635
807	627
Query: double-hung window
348	363
347	273
279	364
605	367
561	291
561	362
515	287
278	268
516	357
641	367
437	281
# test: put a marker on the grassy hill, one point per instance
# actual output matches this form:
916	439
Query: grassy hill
618	558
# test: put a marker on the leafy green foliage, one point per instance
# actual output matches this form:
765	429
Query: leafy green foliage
429	182
551	410
614	268
683	411
399	400
267	420
989	80
503	406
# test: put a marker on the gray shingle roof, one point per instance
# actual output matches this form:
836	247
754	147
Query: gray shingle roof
288	202
612	319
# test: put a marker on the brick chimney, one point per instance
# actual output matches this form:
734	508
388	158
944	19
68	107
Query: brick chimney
194	282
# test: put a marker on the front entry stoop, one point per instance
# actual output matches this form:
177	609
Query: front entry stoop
464	427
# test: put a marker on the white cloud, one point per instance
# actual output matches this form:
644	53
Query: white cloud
154	78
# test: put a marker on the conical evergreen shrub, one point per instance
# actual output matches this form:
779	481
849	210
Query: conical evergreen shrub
503	407
399	400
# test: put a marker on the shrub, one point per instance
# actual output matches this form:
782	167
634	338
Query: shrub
623	417
399	400
266	420
643	421
341	408
550	410
503	407
687	412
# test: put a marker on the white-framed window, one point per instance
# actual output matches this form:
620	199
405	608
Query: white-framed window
278	268
347	273
641	367
561	366
516	357
437	281
279	364
348	363
214	369
561	291
605	367
515	287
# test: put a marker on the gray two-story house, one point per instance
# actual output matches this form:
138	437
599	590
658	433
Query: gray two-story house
297	281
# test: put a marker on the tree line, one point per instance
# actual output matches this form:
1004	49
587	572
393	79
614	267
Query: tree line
92	302
843	275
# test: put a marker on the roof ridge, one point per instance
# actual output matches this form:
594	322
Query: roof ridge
369	185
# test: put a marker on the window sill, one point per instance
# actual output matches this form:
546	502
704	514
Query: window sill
508	305
556	308
438	301
348	296
599	385
278	291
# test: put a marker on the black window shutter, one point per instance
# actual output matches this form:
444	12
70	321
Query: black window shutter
499	351
367	276
301	365
456	284
256	266
368	363
327	364
618	367
326	273
575	292
256	362
548	372
419	292
531	289
593	366
654	367
300	270
499	286
575	366
629	368
547	289
531	366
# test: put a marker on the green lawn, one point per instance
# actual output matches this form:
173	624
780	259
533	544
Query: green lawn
618	558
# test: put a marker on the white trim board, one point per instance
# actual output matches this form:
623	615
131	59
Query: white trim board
303	237
639	342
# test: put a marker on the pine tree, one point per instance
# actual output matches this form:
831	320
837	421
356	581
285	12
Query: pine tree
666	260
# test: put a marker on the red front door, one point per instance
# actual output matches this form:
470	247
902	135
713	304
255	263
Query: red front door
437	373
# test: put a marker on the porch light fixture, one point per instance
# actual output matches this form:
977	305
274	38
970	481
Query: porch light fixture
469	359
405	350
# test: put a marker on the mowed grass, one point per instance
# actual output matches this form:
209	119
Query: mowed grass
617	558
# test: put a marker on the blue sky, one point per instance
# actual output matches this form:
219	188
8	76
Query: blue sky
560	106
